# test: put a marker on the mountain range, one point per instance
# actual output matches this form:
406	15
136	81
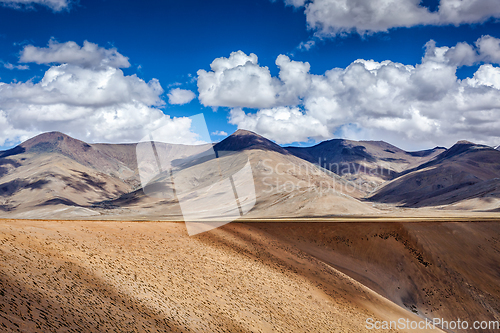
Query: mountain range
55	176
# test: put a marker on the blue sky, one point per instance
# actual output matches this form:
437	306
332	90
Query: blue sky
452	96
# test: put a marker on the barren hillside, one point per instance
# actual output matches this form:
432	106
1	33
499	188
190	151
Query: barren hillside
367	163
126	276
53	175
463	173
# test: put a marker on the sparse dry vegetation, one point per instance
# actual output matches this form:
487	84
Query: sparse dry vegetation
75	276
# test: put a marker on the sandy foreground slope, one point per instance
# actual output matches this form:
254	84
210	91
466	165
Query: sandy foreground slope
437	269
68	276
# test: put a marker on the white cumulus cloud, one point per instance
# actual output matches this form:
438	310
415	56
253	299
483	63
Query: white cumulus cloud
180	96
55	5
414	106
89	55
238	80
219	133
87	97
10	66
334	17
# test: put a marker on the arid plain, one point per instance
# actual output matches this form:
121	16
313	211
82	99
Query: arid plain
244	277
147	276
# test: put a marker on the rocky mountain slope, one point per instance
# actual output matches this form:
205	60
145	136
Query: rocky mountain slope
54	175
367	163
463	173
285	185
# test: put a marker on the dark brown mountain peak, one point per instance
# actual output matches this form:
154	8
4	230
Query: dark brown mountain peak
461	147
48	136
54	142
243	132
47	143
243	140
60	143
464	142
